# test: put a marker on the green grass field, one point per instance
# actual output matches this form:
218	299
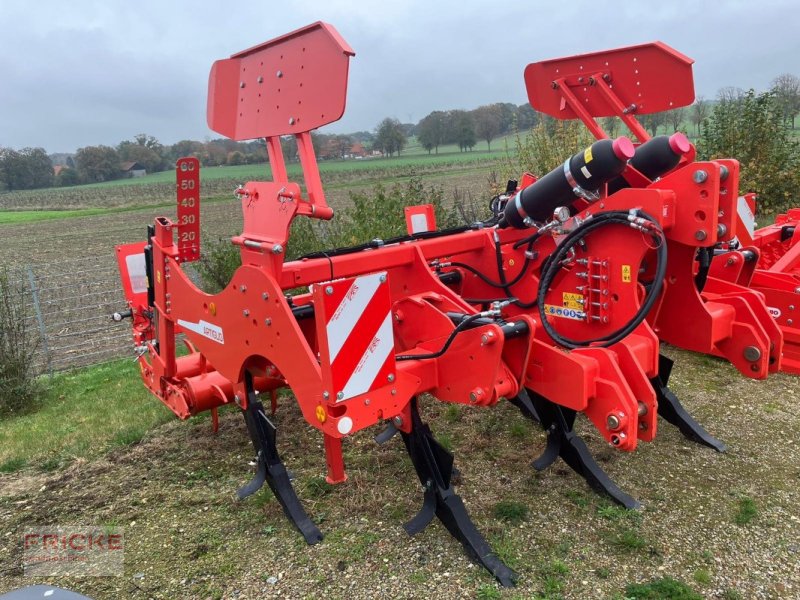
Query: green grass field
415	156
70	422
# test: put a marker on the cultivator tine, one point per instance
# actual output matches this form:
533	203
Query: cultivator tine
271	468
563	442
671	409
256	482
523	402
387	434
434	466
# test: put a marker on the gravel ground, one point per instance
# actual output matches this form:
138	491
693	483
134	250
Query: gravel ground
186	537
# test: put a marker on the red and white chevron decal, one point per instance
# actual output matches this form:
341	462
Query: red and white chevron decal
357	345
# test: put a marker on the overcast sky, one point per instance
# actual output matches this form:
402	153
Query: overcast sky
97	72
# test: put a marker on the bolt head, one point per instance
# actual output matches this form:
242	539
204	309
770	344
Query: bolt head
328	290
291	120
267	322
613	422
277	249
241	84
721	230
237	399
382	278
265	296
279	74
700	176
390	377
398	421
339	395
243	288
700	235
326	394
752	354
246	312
260	79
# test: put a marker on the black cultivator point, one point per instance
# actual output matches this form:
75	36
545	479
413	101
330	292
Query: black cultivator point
671	409
270	467
434	466
563	442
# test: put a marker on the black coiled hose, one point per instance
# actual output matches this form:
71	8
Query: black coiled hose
553	266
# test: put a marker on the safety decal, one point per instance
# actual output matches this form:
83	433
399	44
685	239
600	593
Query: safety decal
573	300
564	313
358	326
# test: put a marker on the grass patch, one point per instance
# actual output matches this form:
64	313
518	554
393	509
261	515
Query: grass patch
129	436
518	429
317	487
452	414
702	576
661	589
618	514
626	539
746	511
27	216
510	511
553	575
577	498
83	414
446	441
12	465
488	592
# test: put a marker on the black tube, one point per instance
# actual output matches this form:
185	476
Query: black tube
450	278
704	256
587	170
655	157
510	330
148	266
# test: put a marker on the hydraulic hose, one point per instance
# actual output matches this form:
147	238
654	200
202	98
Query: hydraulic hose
618	218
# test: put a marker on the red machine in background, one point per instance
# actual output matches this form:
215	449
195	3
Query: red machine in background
767	261
554	302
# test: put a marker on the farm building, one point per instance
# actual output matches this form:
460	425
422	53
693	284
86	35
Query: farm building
132	169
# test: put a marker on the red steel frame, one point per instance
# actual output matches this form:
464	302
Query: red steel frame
260	334
256	336
726	318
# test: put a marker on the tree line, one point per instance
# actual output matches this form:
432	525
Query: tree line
30	168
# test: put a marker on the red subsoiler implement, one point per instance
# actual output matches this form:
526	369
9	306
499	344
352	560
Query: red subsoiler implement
555	303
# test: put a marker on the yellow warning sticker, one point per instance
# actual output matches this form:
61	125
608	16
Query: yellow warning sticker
587	155
573	301
626	273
